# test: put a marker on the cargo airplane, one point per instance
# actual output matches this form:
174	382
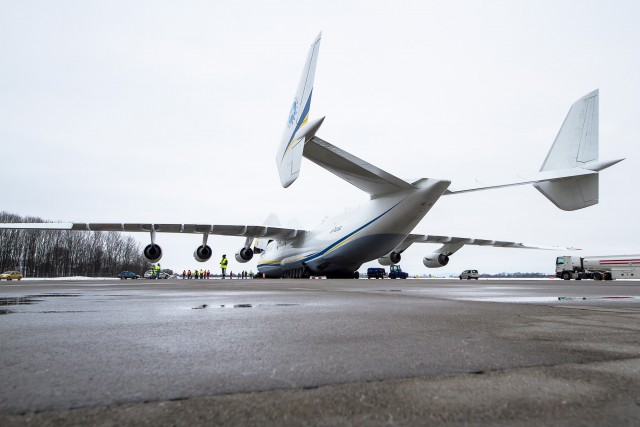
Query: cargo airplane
381	228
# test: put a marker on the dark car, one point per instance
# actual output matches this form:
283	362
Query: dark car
128	275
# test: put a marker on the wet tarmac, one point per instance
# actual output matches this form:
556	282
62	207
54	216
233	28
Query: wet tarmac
320	352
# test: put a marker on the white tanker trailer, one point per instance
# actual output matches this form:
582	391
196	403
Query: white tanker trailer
608	267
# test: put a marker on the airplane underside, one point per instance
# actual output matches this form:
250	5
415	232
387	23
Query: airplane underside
340	260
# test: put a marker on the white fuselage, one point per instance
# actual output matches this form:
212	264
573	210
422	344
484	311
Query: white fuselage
341	244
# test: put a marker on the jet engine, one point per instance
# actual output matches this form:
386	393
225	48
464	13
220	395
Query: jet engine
244	255
391	259
152	252
202	253
435	260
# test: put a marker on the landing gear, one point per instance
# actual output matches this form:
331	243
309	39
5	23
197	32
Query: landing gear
296	273
356	274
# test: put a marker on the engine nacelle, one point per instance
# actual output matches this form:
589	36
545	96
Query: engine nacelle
393	258
152	253
435	260
202	253
244	255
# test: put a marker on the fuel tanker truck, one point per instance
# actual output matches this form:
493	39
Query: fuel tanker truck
608	267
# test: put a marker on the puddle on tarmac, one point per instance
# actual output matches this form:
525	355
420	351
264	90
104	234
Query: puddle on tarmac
18	301
28	300
52	295
203	306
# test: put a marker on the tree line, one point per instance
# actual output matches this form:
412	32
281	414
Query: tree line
63	253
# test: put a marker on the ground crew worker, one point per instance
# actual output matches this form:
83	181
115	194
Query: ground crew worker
189	274
184	274
201	273
223	265
251	274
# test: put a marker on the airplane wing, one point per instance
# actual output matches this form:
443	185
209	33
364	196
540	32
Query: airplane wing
278	233
451	244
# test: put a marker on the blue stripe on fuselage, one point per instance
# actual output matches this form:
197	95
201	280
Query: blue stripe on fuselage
333	245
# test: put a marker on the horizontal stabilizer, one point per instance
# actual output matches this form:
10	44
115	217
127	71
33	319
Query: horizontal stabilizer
569	175
521	179
573	193
356	171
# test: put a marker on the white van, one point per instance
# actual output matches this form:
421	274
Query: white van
469	274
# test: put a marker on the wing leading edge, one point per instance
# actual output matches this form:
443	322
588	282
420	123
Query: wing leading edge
215	229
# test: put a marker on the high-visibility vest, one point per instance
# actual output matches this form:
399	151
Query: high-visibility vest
223	263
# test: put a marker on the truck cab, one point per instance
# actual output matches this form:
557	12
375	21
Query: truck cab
568	267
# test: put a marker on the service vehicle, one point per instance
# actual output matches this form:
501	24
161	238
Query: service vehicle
469	274
376	273
607	267
395	272
11	275
128	275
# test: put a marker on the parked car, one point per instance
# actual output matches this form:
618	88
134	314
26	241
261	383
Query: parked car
469	274
162	275
10	275
128	275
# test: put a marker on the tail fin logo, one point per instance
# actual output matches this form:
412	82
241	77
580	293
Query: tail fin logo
293	112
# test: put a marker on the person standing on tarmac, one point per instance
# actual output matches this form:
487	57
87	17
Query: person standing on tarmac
223	265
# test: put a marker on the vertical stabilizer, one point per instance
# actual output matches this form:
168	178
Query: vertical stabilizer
575	146
577	140
289	154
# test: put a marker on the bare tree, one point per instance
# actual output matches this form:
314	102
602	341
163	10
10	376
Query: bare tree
53	253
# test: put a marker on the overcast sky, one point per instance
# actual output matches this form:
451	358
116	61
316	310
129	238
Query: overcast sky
171	112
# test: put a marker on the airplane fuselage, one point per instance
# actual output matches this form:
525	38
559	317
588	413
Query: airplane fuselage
341	244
